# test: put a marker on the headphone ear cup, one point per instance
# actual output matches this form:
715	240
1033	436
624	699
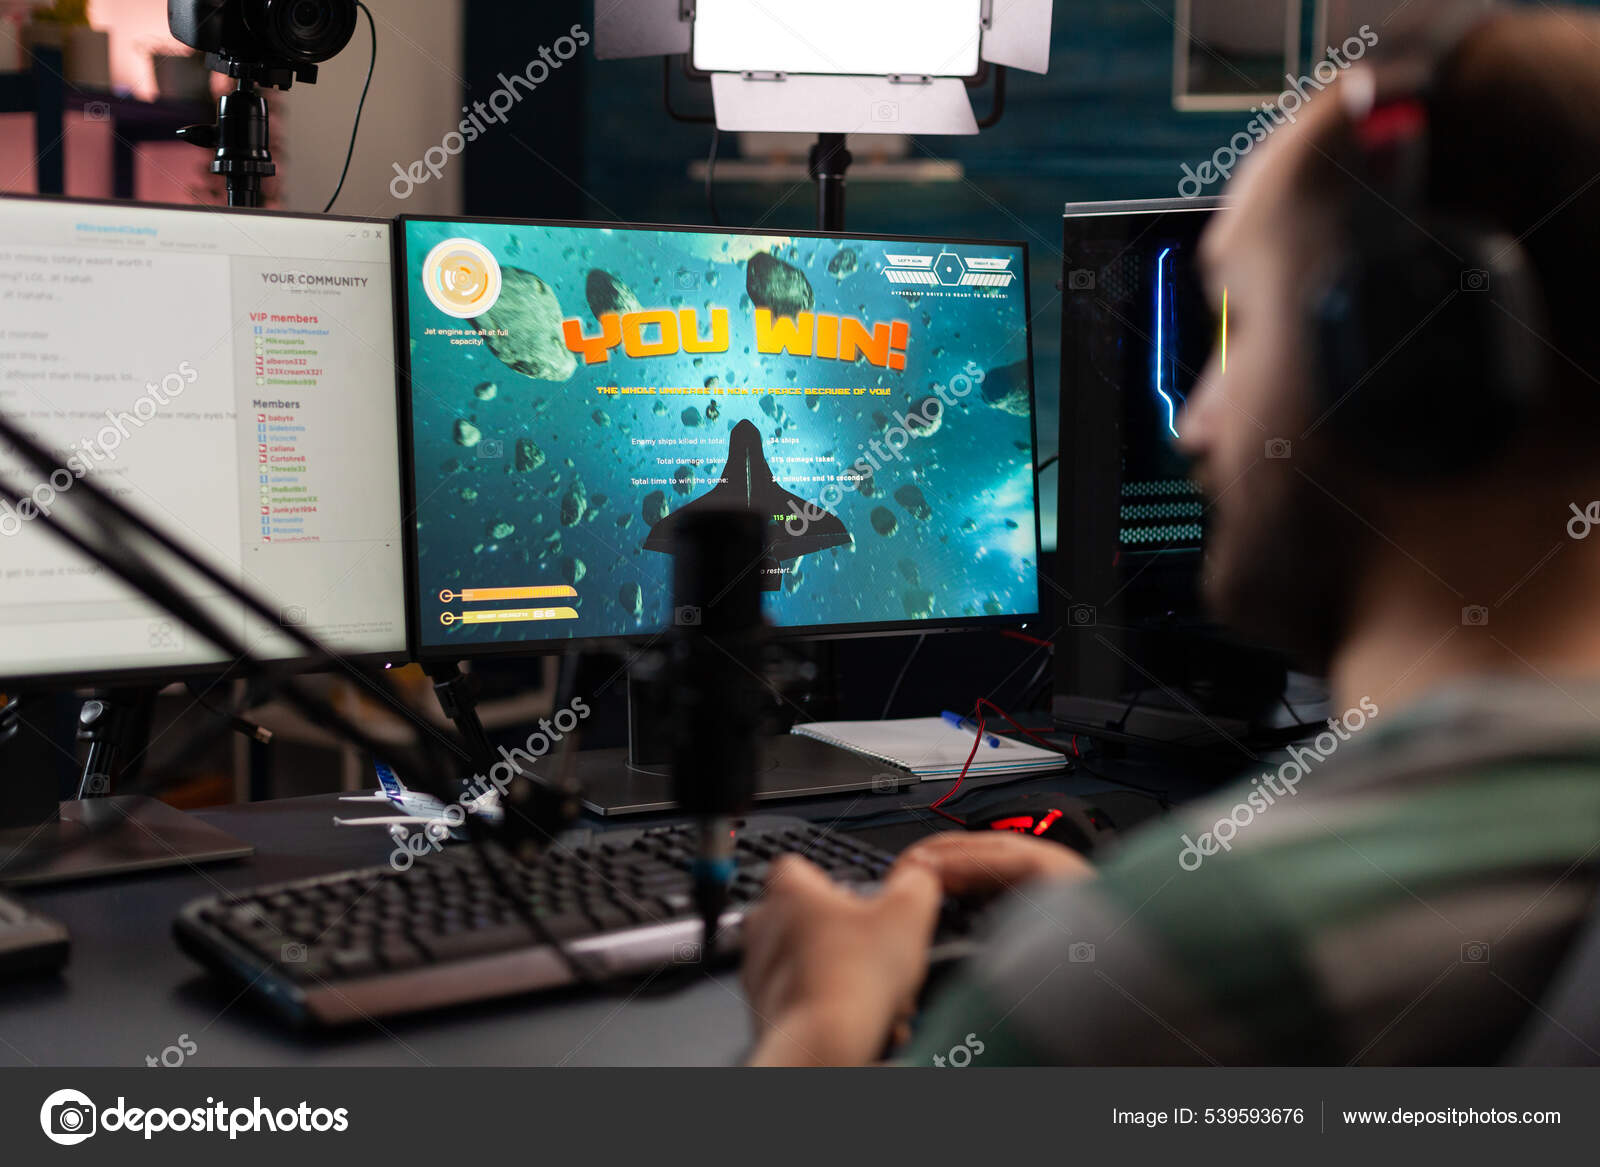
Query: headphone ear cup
1427	349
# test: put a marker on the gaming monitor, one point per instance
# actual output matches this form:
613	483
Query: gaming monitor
574	389
229	375
1136	651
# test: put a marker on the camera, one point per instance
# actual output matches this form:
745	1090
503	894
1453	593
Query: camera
1280	448
1080	280
1083	616
1081	953
1474	280
1475	952
72	1118
287	34
687	617
1475	616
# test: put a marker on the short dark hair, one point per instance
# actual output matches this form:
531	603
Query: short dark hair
1516	140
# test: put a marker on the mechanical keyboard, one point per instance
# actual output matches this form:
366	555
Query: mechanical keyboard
378	942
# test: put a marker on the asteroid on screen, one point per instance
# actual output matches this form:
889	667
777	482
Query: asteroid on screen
606	293
1006	389
782	287
530	316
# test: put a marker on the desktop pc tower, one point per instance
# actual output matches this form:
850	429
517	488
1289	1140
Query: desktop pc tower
1135	653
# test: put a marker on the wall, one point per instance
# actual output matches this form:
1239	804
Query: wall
413	103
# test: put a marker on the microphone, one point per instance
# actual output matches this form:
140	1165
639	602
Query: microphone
715	667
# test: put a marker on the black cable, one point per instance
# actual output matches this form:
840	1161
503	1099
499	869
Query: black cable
249	729
666	99
711	177
1046	464
372	66
894	690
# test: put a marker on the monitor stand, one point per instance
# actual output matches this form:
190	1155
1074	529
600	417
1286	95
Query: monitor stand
118	835
638	780
43	840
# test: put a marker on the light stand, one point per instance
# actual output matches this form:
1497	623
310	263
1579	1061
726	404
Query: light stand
830	160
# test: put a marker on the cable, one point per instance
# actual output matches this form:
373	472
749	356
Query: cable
977	740
711	176
372	66
249	729
894	690
1046	464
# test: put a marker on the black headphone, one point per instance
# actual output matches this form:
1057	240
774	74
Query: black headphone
1426	332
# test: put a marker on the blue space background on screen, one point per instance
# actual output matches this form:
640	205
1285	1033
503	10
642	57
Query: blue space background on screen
537	468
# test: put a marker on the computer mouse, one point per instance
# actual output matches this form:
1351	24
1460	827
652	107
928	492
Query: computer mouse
1061	818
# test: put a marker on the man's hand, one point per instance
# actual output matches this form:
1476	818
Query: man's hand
979	865
829	973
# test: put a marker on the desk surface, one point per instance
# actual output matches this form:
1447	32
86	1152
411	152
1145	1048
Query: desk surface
129	993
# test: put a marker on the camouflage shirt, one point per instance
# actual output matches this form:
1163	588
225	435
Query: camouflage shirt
1405	901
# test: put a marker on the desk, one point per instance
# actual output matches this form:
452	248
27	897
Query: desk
129	993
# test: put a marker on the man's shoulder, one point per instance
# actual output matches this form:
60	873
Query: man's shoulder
1324	925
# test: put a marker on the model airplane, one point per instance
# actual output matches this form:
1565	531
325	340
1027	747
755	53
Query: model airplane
422	810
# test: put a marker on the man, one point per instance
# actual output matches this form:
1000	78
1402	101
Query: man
1403	891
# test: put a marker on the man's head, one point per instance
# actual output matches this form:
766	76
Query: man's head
1300	520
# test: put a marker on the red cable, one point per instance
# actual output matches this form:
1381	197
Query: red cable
1013	634
977	712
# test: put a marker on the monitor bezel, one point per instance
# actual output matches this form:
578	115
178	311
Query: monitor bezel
427	654
69	680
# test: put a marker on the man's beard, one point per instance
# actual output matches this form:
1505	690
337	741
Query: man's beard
1280	565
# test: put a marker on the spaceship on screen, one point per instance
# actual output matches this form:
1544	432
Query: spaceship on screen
795	527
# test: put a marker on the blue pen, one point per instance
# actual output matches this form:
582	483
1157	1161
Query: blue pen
960	722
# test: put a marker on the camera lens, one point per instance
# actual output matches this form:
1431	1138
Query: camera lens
311	31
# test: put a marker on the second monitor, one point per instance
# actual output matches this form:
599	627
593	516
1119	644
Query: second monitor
574	388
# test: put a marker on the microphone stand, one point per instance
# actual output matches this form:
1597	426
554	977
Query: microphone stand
715	656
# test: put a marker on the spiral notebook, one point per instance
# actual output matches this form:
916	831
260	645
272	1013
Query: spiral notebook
931	748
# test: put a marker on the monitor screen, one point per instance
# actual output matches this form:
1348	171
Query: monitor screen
230	375
574	388
1138	332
